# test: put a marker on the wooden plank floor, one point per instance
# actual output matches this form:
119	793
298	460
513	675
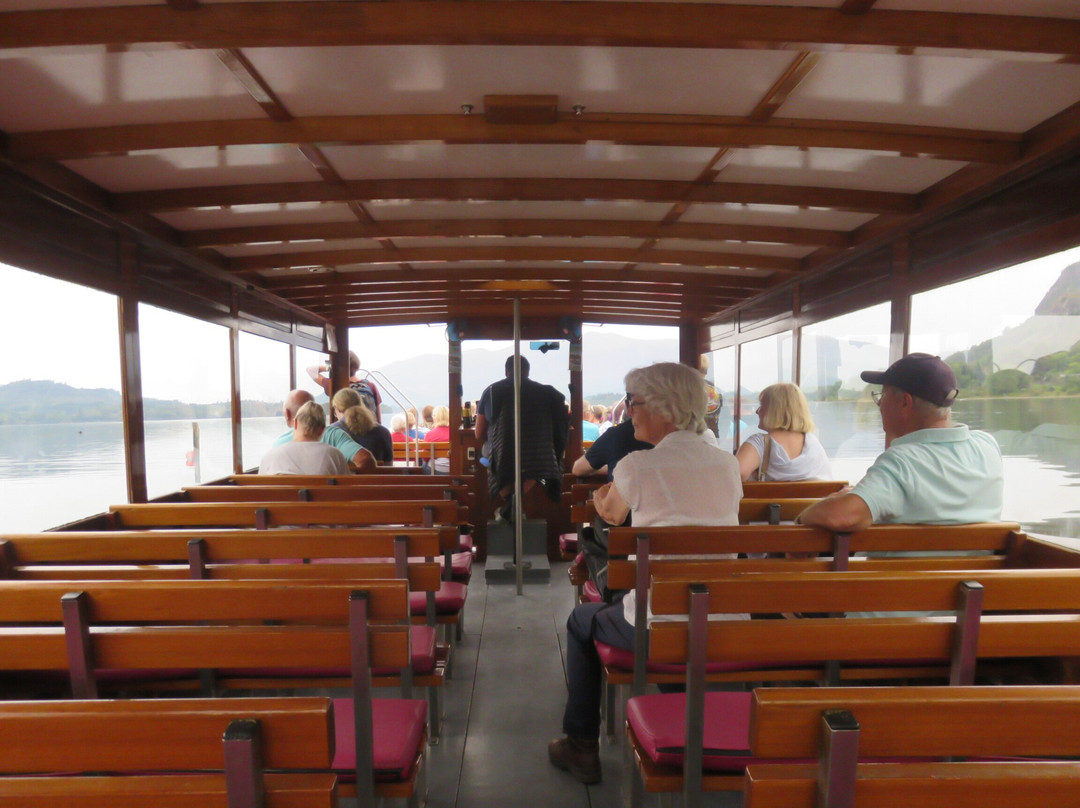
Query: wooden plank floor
505	703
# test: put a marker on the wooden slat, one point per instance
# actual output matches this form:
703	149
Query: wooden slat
163	791
514	188
66	735
600	228
282	514
640	130
892	785
923	721
626	24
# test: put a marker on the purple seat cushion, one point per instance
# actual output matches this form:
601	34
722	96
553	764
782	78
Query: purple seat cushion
568	542
460	564
590	592
659	723
623	660
465	542
398	732
450	599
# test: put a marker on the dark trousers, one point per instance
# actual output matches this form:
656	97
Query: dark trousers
588	622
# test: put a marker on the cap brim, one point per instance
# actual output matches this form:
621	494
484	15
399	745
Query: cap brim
873	376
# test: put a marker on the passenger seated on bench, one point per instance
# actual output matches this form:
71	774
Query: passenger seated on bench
305	453
788	449
358	421
684	480
359	457
932	471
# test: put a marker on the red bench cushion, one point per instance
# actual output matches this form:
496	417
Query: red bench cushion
398	732
623	660
659	723
450	599
590	593
568	543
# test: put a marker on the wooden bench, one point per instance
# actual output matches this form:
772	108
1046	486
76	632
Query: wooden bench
794	489
218	625
321	493
242	555
633	563
211	752
1034	626
836	727
765	511
379	479
264	515
424	451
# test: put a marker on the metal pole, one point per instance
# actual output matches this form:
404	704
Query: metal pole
518	560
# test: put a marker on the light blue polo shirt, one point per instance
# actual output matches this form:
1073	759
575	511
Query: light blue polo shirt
333	435
944	476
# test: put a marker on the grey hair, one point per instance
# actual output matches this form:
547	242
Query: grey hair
929	412
397	423
311	419
673	391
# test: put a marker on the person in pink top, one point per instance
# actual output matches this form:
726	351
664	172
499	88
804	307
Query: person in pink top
441	431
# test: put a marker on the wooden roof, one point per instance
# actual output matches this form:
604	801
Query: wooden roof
424	160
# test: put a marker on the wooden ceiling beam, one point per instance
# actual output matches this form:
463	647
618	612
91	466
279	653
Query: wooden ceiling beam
534	22
515	188
345	280
673	131
515	228
584	292
421	255
584	295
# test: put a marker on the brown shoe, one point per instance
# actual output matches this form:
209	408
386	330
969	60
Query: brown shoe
580	757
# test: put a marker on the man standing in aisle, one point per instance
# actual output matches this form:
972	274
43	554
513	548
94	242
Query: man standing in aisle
545	426
932	470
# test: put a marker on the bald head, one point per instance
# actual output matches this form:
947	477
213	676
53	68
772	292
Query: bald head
293	402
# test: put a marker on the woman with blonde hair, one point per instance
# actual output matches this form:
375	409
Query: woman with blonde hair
360	423
788	449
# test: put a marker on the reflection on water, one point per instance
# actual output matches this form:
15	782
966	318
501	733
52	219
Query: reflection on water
55	473
51	474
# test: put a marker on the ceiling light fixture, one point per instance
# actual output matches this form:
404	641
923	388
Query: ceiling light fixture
579	109
467	109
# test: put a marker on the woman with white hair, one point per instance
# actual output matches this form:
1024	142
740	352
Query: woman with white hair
305	453
685	479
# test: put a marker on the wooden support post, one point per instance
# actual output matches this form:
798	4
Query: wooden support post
966	638
363	720
839	755
80	653
127	303
243	764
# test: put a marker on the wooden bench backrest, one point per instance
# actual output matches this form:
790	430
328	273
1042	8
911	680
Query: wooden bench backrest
425	450
284	514
165	791
171	546
791	490
921	722
382	478
913	723
992	536
321	493
159	734
186	602
824	639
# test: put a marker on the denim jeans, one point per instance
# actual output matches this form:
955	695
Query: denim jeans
590	621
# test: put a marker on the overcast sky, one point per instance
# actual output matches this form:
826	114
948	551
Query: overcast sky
65	333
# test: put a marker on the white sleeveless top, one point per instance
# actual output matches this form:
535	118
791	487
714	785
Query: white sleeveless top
811	464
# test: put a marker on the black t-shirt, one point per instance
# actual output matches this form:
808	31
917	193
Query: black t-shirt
611	447
379	442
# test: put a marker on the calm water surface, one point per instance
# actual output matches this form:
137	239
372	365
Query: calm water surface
56	473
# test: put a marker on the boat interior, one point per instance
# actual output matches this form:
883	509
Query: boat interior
299	169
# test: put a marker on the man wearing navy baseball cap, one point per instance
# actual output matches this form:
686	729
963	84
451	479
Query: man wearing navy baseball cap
932	470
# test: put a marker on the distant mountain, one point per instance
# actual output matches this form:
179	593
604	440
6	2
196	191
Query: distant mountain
607	358
43	402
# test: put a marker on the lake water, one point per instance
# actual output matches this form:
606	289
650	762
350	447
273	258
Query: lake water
56	473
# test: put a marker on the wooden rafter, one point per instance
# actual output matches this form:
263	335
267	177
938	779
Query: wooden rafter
421	255
492	22
342	282
516	188
570	228
628	129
